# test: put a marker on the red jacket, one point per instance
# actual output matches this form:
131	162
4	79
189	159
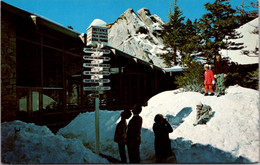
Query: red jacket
209	77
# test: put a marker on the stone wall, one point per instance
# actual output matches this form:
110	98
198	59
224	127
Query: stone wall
9	105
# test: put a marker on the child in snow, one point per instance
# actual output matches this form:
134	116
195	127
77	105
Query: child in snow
209	80
133	138
162	142
120	134
204	112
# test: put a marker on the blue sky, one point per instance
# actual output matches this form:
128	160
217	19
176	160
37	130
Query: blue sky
80	13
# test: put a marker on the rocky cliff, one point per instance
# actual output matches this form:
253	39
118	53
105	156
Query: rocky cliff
139	34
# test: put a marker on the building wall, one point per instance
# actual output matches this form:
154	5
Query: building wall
8	67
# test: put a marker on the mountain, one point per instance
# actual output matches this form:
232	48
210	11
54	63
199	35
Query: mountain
139	34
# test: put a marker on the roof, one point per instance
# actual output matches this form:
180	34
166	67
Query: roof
134	57
40	20
98	22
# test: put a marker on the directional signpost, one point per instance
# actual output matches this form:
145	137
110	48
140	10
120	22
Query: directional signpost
94	67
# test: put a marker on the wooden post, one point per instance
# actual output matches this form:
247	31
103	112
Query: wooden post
97	123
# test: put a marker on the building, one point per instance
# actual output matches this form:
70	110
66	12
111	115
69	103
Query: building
42	65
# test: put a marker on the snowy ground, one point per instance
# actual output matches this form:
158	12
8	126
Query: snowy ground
231	135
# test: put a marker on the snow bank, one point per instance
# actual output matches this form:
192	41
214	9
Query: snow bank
231	136
28	143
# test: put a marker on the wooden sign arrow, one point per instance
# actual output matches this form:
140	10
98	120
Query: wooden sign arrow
92	50
89	65
105	73
96	88
96	81
85	57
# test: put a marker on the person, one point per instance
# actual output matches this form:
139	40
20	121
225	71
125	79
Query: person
204	112
162	143
209	80
220	70
133	139
120	134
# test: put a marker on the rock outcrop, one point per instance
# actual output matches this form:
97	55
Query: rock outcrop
139	35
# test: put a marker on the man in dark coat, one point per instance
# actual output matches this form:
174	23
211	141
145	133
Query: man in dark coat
120	134
133	138
162	143
220	73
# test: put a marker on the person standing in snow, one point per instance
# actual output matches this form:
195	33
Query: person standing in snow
204	112
120	134
220	70
209	80
133	138
162	142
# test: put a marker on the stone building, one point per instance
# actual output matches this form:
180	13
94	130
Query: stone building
42	65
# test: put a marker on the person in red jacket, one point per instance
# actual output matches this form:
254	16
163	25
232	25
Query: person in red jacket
209	80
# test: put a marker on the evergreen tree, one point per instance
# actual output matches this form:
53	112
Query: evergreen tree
192	40
247	12
173	33
216	25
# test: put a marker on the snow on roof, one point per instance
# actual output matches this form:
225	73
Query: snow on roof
98	22
174	69
250	42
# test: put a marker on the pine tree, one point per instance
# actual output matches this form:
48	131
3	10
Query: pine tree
173	32
192	40
216	25
247	12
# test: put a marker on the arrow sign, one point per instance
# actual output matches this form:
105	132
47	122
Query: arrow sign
92	50
97	62
95	88
97	54
96	77
96	58
96	81
89	65
105	73
96	69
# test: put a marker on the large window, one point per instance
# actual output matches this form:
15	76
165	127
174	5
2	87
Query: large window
28	64
73	67
52	68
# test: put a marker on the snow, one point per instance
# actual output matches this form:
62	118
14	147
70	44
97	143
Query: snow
250	42
176	68
28	143
230	136
99	23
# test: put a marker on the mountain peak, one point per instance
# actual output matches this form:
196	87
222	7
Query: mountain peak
139	34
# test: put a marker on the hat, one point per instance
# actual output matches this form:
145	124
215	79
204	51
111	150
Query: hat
206	66
199	103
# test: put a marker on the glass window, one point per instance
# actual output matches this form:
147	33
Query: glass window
52	68
52	100
73	69
28	64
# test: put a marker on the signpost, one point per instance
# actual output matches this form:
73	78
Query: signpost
97	34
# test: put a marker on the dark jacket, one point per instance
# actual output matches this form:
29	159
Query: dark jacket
134	131
220	67
120	133
162	143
